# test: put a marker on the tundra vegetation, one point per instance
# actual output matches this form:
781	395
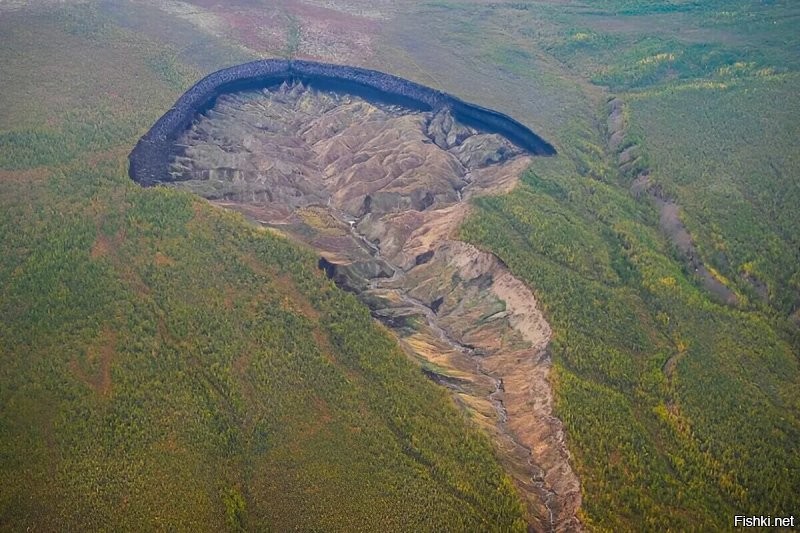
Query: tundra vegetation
169	365
166	363
680	410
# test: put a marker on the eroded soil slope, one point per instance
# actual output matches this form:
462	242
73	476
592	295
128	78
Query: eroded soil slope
379	191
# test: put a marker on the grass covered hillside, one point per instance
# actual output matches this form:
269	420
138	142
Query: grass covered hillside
166	365
681	411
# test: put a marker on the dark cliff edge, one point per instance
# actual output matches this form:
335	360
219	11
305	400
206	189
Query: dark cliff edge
149	160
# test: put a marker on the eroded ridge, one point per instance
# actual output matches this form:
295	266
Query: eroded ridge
380	190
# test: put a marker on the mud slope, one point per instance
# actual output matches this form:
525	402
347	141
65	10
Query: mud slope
152	153
379	190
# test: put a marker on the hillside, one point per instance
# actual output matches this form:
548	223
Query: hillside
168	365
675	121
167	360
379	191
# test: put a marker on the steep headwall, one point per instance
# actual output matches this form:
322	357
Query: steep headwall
150	158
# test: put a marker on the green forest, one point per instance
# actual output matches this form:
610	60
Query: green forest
681	411
170	365
167	365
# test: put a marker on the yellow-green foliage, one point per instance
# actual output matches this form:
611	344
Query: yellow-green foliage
679	412
734	170
656	447
165	365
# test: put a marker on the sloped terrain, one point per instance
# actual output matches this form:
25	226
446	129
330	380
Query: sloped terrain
379	191
166	365
679	412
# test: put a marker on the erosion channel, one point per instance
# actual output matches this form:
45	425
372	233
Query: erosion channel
379	190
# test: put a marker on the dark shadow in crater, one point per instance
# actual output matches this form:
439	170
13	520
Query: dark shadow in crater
149	160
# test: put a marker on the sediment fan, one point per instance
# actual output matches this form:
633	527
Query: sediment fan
150	158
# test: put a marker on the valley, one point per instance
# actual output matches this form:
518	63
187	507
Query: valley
336	295
379	191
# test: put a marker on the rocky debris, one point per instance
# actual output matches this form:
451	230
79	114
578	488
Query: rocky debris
485	150
446	132
485	308
380	191
154	152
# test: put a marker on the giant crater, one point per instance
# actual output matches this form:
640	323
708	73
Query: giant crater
374	173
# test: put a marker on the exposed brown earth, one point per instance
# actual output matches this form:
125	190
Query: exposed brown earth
379	191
